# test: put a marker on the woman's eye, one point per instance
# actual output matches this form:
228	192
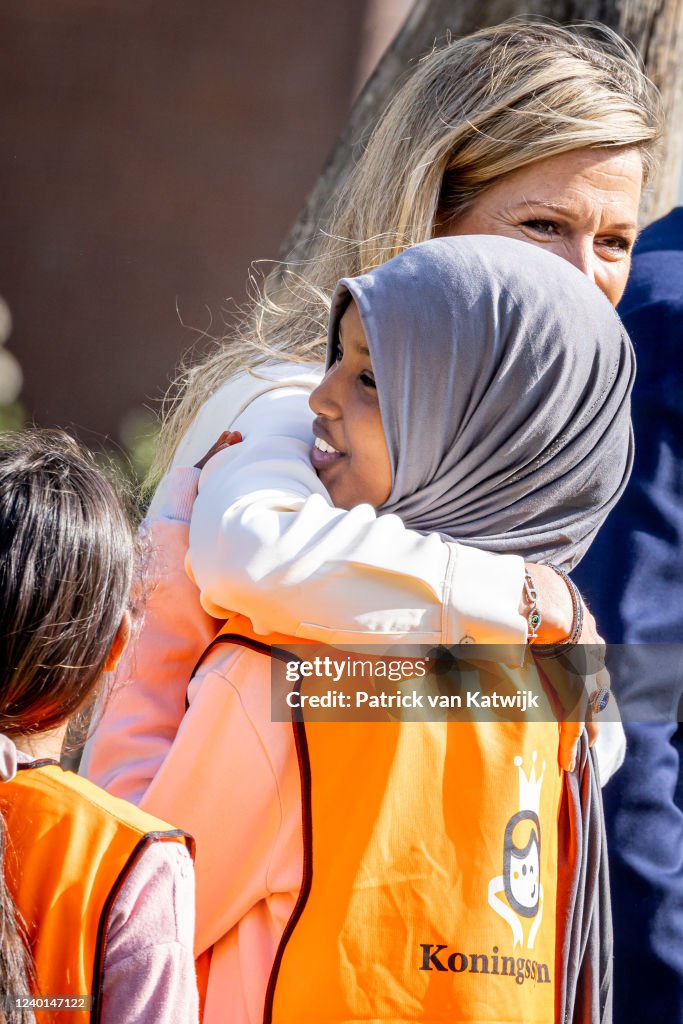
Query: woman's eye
617	245
547	228
339	354
367	379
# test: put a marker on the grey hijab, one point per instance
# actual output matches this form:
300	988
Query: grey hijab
504	378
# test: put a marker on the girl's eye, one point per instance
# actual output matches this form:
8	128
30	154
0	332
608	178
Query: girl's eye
339	354
541	227
368	379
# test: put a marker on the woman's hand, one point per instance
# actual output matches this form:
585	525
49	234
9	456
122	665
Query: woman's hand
227	438
578	673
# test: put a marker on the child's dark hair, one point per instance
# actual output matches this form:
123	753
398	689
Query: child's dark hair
66	563
16	970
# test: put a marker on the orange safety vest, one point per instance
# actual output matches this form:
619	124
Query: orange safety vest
430	880
70	849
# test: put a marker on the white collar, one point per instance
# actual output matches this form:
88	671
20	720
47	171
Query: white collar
10	757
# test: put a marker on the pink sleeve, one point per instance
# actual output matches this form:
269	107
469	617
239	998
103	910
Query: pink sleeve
149	973
220	782
138	723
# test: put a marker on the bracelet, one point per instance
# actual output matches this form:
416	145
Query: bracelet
599	699
534	617
556	650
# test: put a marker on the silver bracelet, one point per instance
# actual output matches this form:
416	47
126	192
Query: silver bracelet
556	650
534	618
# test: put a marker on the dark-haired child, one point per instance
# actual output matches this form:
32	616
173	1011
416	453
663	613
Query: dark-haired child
103	892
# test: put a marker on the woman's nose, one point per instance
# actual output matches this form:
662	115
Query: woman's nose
609	277
581	253
323	400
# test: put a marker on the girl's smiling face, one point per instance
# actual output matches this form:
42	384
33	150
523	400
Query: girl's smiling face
350	454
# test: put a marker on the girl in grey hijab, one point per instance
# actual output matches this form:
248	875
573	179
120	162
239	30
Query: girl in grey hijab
503	378
480	388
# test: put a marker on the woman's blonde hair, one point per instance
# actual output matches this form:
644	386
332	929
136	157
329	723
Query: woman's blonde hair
471	112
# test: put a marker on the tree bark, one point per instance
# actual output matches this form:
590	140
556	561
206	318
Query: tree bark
655	27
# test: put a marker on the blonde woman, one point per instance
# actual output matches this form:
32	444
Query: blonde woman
528	130
336	864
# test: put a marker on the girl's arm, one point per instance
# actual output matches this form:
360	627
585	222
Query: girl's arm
479	591
266	541
145	703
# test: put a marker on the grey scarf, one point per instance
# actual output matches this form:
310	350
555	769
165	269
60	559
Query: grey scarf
504	378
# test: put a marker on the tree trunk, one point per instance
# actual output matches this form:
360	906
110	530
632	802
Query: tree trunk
655	27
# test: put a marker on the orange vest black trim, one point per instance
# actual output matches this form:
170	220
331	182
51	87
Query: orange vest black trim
71	847
430	872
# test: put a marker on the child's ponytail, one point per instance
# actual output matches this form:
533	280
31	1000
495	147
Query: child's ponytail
15	961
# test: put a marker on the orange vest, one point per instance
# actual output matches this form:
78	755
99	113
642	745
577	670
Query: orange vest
70	848
430	866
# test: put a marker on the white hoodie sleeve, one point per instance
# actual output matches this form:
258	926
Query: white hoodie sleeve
266	541
384	579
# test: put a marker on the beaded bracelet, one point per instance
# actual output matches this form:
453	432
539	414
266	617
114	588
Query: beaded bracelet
556	650
599	699
534	617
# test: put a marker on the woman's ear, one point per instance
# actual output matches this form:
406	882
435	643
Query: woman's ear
120	643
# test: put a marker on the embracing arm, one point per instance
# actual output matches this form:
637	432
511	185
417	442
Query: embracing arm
265	541
135	728
481	599
144	705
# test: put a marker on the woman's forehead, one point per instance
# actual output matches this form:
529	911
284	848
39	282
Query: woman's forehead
598	185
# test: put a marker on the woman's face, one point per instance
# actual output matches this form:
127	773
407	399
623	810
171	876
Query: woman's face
581	205
350	453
